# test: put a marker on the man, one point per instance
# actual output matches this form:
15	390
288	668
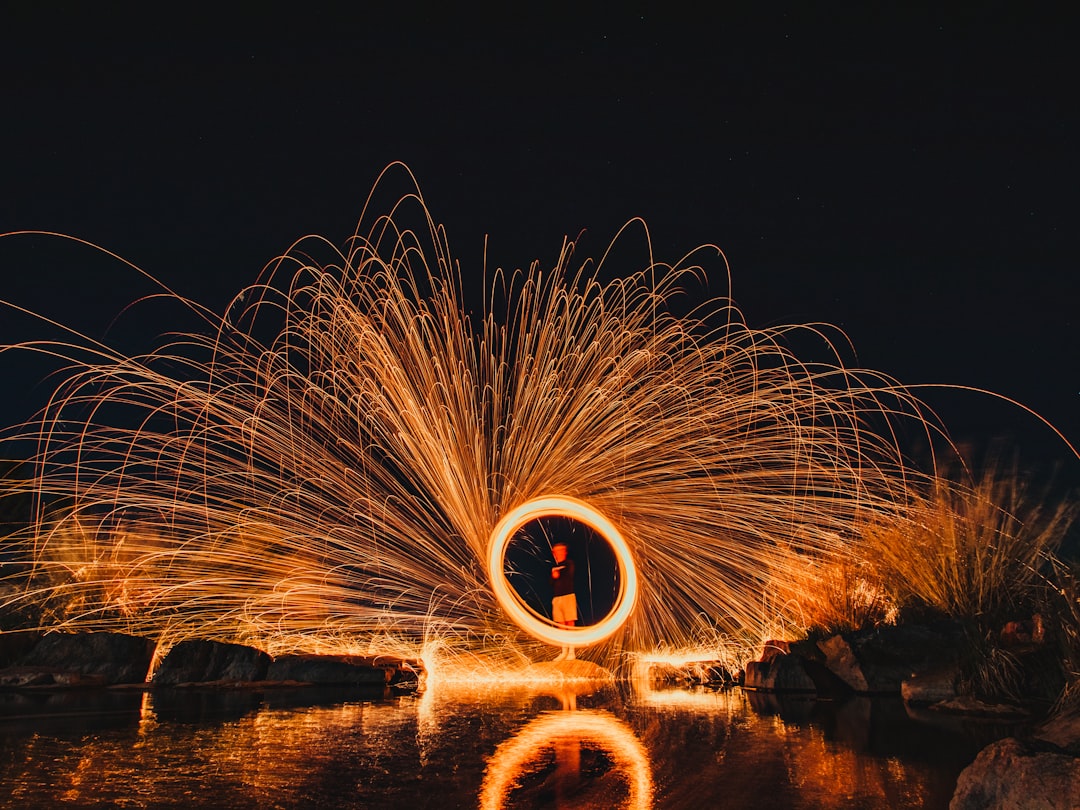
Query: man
564	601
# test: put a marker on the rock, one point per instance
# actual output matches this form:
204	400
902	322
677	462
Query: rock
205	661
1062	730
14	644
342	670
966	704
1009	774
932	686
840	659
115	657
803	648
46	678
772	648
692	672
879	660
783	672
792	666
1025	633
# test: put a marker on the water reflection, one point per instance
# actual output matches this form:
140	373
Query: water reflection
566	734
514	747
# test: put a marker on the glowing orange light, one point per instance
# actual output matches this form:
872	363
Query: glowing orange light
738	466
590	727
530	621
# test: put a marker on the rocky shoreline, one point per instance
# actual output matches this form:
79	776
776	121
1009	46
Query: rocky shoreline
81	660
1039	767
922	665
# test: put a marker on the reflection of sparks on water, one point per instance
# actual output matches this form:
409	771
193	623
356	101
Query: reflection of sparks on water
147	718
323	470
237	749
467	686
599	729
715	702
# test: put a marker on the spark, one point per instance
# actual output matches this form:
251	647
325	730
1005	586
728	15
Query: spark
526	618
571	729
326	465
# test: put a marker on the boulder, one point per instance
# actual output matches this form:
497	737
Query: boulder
1023	633
691	672
1010	774
772	648
204	661
1062	730
932	686
115	658
803	648
782	672
792	666
14	644
342	670
879	660
46	678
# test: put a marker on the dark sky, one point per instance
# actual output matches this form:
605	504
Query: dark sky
911	179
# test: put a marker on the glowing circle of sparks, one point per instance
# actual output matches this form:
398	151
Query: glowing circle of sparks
595	729
529	620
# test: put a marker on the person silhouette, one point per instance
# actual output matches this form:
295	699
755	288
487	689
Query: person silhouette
564	600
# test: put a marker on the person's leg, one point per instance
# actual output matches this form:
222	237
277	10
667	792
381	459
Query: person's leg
559	616
570	620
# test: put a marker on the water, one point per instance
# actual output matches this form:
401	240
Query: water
470	748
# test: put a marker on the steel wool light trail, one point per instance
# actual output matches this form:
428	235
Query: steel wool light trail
340	460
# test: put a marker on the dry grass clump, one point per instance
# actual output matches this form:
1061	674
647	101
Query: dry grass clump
830	596
1061	605
978	554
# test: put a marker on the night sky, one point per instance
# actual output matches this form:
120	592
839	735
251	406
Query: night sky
910	179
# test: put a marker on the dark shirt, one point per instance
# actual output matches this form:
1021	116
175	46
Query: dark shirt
564	585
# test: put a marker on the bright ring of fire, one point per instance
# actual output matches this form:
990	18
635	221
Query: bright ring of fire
529	620
597	729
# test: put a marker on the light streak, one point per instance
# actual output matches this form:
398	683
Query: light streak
526	618
324	467
593	728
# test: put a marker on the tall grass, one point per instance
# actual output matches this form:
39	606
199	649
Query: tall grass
830	595
1061	605
977	554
